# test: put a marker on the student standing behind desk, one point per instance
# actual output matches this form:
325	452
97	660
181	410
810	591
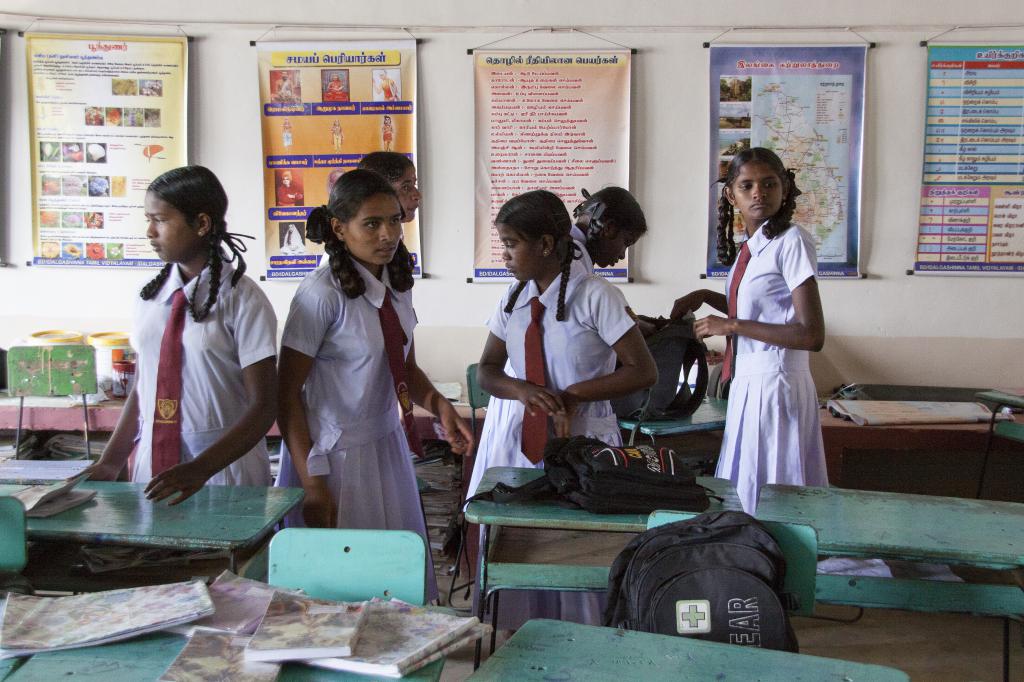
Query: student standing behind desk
206	389
772	432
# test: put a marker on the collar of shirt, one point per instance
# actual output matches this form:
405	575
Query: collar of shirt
758	242
175	282
550	296
375	288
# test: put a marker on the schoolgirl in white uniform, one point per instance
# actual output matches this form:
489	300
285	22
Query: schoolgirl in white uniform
585	327
607	223
772	430
344	410
209	330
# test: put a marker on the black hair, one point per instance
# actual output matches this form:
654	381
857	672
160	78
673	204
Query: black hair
533	215
619	206
778	223
391	165
194	190
347	196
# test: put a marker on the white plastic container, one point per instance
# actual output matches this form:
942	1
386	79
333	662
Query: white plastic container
115	363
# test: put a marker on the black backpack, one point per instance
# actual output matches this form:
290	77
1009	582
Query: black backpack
606	479
717	576
675	349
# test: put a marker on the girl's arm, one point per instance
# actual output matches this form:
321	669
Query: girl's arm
695	299
319	510
119	447
491	375
425	395
187	478
636	371
807	332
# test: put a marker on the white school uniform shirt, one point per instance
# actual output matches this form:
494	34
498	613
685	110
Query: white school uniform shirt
351	408
240	330
772	430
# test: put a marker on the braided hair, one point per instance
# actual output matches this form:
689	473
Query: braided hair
391	165
347	196
778	223
533	215
620	207
195	190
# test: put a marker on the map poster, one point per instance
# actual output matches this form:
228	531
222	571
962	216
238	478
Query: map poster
323	107
106	117
554	120
972	190
807	105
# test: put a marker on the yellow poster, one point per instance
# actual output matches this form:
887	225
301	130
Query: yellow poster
107	115
324	106
547	120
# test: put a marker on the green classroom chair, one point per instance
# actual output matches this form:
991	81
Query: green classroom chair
799	544
476	396
349	564
13	555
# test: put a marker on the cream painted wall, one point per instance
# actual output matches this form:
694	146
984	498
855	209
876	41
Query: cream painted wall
890	327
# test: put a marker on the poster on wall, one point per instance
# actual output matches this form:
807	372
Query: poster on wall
555	120
806	103
323	106
972	190
107	115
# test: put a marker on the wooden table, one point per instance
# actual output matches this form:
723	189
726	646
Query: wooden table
146	658
946	530
234	519
551	564
546	650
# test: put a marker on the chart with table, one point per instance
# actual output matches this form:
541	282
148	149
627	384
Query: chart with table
972	193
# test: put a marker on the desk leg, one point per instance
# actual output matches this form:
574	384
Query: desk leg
988	449
1006	650
485	531
233	562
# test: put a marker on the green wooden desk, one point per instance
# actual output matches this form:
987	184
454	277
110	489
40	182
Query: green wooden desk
946	530
710	416
555	650
1010	430
147	657
494	575
230	518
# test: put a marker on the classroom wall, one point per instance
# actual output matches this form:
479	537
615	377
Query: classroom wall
888	328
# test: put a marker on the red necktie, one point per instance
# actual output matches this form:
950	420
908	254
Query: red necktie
394	348
535	427
734	288
167	417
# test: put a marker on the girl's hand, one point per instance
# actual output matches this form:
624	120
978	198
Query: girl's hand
713	325
687	304
185	479
318	507
101	471
535	398
562	423
457	432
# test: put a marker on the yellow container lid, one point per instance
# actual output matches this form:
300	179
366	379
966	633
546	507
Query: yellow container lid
56	336
109	339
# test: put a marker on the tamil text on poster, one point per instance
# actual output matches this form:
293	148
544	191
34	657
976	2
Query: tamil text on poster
807	105
324	106
107	115
547	120
972	194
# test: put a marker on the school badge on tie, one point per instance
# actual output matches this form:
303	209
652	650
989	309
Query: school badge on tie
167	409
404	399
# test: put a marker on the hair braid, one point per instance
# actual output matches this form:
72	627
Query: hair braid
154	285
570	254
215	263
400	268
726	240
514	296
783	218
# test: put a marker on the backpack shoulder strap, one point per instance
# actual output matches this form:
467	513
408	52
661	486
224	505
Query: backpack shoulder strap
686	402
501	493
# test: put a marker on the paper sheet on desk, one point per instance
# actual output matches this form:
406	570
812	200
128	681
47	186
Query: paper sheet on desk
889	412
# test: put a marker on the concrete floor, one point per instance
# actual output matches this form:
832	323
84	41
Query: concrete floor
928	647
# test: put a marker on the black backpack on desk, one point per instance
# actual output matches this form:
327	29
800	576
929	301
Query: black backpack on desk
607	479
717	576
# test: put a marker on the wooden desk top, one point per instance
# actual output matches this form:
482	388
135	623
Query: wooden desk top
952	530
557	650
216	517
548	515
146	658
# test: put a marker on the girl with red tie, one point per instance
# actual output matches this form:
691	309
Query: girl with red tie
563	329
772	432
348	373
206	390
